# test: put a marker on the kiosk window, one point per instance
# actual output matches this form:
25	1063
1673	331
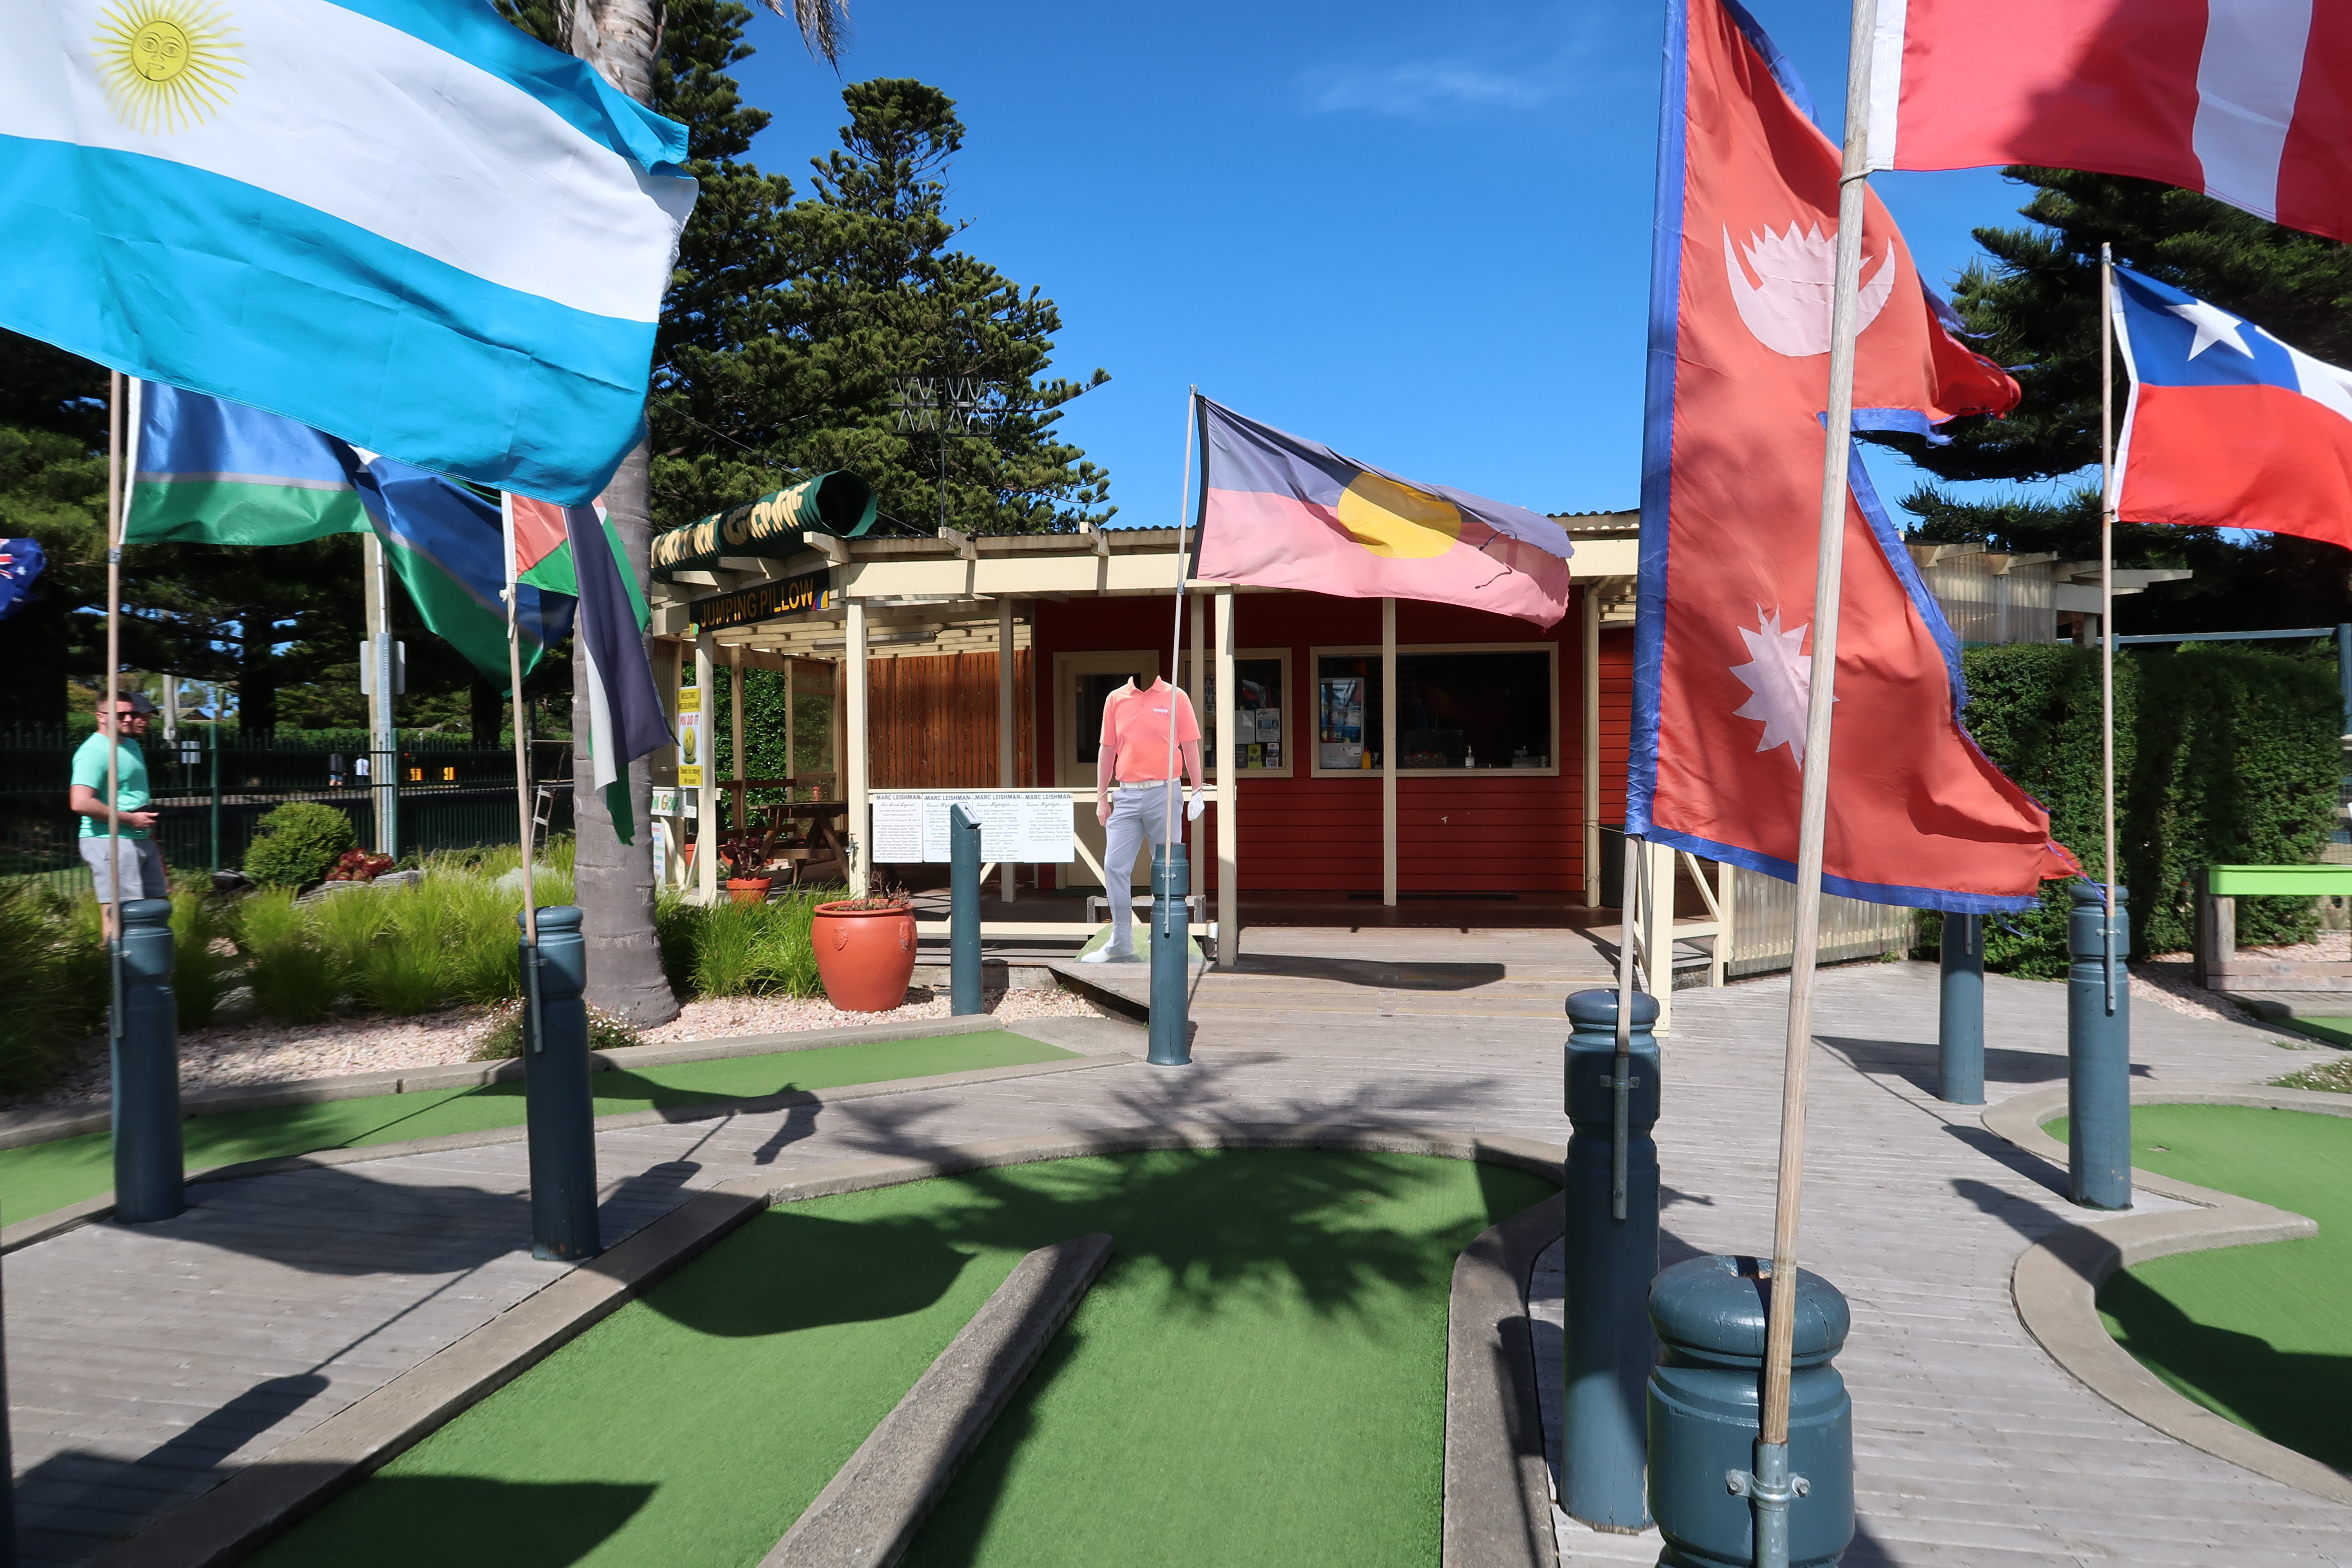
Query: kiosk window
1259	742
1454	710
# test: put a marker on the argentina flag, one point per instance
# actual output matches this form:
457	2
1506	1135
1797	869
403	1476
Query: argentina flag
401	222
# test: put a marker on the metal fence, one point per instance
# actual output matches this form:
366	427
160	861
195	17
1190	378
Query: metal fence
211	791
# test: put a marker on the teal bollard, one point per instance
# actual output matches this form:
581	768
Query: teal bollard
963	913
1608	1261
1959	1018
1170	1043
1707	1410
2098	1053
558	1111
148	1159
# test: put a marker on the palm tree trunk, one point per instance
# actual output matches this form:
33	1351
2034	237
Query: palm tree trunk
614	881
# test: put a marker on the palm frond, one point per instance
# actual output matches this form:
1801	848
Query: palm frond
823	24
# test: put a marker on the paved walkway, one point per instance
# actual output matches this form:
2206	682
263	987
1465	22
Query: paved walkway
149	1363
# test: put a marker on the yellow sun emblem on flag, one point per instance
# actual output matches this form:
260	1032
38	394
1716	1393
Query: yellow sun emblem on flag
166	64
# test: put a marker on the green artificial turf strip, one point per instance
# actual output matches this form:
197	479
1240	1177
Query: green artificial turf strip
1257	1377
2259	1334
2335	1031
40	1177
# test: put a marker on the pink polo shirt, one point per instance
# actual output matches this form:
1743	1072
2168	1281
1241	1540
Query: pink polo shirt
1135	727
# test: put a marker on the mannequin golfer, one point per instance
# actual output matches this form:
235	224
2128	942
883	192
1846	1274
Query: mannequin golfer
1135	763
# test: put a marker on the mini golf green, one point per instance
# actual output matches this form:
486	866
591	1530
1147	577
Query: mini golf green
1258	1377
40	1177
2259	1334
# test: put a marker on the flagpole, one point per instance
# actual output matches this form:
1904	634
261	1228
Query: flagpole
2107	598
521	745
114	440
1773	1491
1175	654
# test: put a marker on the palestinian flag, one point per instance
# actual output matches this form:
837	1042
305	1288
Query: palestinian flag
624	705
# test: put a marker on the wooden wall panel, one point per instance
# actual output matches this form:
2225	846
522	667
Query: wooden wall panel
933	721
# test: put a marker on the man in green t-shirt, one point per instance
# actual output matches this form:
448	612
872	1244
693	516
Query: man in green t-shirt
135	869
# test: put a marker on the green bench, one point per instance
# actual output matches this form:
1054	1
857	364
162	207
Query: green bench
2220	968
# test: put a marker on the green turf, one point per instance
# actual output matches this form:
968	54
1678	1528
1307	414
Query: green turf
44	1176
2260	1334
2335	1031
1257	1378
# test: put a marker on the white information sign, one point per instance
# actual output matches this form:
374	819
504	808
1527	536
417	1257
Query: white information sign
1025	826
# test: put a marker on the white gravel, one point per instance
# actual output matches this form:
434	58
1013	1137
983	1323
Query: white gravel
255	1052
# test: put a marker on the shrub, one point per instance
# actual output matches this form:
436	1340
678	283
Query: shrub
293	977
2223	756
740	949
201	976
503	1037
297	844
50	1006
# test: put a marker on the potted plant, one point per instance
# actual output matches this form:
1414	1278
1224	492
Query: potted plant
747	880
865	951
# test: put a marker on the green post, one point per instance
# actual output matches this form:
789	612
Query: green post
2098	1052
1170	1041
1959	1019
215	728
146	1063
963	913
559	1110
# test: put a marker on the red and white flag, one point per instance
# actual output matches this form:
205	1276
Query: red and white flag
1739	338
2248	100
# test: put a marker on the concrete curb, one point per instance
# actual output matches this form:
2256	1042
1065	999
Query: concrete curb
19	1128
2056	1281
1499	1510
57	1222
869	1513
236	1517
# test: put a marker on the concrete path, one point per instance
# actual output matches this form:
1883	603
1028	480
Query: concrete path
149	1363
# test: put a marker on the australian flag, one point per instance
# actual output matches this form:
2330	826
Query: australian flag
21	560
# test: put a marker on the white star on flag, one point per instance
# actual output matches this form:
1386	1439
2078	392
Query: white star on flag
1781	679
2213	324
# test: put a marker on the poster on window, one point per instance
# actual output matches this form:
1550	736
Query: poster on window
1341	722
691	738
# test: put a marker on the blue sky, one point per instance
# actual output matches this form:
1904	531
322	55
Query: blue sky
1419	235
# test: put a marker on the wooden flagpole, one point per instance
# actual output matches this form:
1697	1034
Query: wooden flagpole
115	438
521	747
2107	599
1780	1321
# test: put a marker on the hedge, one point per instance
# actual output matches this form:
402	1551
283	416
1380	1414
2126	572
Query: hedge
2224	755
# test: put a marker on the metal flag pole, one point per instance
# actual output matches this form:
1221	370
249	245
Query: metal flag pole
1773	1489
1168	828
1633	894
2108	601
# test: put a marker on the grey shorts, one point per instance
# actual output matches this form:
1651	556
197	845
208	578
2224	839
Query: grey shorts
140	858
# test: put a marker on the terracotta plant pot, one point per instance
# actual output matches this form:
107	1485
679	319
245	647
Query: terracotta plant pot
749	890
865	956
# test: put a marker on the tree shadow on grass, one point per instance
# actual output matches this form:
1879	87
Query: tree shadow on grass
2294	1398
402	1521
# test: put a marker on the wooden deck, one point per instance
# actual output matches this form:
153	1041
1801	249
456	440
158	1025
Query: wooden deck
149	1363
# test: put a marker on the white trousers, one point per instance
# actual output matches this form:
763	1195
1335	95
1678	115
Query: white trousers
1139	819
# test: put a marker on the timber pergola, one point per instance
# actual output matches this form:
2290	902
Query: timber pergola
849	601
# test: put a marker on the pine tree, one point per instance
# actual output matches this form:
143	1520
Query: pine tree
2036	306
790	322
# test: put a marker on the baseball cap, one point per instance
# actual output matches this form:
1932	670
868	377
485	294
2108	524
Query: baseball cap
139	702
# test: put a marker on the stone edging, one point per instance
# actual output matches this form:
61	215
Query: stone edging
235	1518
19	1128
89	1211
2056	1281
1498	1511
867	1515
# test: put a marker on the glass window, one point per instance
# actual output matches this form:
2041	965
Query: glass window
1094	691
1257	713
1464	710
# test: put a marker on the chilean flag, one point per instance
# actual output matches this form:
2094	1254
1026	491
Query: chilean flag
2248	100
2228	426
1733	442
